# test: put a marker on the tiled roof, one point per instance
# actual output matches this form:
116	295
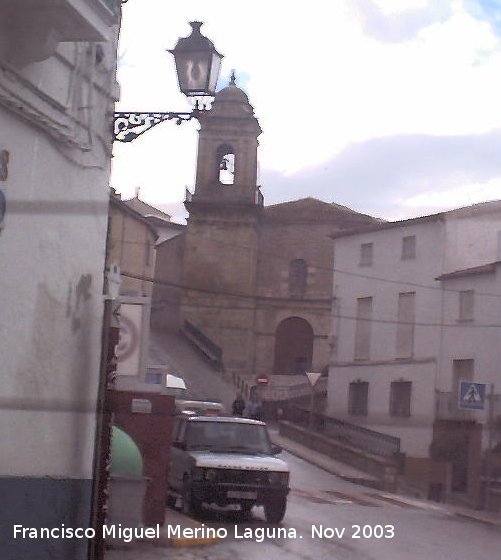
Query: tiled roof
481	208
312	209
482	269
146	209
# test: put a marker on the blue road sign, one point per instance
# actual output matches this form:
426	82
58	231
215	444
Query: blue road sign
471	395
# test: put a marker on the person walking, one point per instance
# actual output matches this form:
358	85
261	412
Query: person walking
255	408
238	406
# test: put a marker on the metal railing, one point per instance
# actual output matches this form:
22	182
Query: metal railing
351	434
203	342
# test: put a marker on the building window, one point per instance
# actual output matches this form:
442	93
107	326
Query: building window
298	276
366	254
405	325
363	328
400	398
466	305
409	247
358	396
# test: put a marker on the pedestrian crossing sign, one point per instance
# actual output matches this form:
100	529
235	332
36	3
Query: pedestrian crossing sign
471	395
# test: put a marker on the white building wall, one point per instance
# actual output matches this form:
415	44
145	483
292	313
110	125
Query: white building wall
388	276
479	339
459	239
384	280
415	431
55	102
51	300
472	236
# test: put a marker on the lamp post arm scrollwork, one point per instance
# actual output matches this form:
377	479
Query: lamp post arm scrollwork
127	126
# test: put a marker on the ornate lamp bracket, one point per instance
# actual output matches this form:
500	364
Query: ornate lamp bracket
128	126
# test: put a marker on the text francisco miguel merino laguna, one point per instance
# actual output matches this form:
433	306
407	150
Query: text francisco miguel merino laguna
128	534
257	534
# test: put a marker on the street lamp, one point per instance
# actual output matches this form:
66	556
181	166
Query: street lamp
197	66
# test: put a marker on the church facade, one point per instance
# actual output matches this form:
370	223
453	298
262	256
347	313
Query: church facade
255	280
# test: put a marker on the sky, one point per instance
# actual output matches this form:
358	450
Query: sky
390	107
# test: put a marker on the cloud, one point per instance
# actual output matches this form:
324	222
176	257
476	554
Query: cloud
401	26
370	103
392	172
487	10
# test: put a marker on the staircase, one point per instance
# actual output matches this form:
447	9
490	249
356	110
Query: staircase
203	380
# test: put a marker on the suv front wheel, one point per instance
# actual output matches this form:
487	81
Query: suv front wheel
274	510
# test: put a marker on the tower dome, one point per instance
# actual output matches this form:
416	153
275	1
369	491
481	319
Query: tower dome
232	93
232	100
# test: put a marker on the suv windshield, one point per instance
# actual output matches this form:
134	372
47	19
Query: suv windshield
228	436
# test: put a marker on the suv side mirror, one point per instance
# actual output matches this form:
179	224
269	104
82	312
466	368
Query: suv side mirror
275	449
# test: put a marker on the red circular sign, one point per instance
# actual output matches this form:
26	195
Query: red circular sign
262	379
128	339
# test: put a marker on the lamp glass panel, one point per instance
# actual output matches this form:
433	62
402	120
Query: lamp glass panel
193	72
214	72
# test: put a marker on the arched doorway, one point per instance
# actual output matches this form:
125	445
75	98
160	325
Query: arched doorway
293	346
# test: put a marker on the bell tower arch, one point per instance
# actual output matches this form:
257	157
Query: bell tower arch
228	142
221	239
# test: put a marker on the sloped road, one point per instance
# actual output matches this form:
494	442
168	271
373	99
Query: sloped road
330	519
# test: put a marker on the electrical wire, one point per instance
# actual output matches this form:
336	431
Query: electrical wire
295	306
316	264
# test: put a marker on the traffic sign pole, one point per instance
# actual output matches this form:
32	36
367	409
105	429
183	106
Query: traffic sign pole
312	405
313	377
488	462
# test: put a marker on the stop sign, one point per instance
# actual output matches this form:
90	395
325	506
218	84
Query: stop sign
262	379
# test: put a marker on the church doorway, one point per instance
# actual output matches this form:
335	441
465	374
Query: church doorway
293	346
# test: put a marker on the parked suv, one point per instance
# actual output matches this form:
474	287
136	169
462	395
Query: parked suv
225	460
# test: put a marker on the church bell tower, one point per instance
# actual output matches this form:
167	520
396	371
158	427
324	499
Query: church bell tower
221	240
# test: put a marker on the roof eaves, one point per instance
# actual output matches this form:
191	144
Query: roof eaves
132	202
133	213
481	269
389	225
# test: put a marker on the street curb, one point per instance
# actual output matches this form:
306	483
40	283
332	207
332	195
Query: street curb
483	520
186	542
180	542
366	483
